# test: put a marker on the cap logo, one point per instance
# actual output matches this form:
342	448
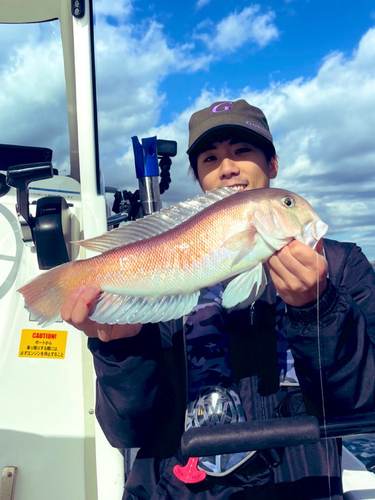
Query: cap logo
256	126
222	106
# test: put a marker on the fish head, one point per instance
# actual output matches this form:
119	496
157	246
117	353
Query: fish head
297	218
285	216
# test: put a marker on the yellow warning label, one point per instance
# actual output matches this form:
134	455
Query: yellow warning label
47	344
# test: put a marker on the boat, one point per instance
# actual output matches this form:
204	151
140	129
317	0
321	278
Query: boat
50	443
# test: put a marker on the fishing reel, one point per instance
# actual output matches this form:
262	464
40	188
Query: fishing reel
152	164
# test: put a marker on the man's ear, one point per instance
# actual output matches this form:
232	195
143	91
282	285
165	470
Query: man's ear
274	167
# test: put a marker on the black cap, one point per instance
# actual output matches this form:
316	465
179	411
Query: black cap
229	114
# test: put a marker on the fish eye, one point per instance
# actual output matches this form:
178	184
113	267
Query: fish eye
288	201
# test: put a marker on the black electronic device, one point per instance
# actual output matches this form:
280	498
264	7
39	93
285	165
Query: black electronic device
49	228
51	231
11	155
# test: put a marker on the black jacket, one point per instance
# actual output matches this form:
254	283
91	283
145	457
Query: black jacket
141	385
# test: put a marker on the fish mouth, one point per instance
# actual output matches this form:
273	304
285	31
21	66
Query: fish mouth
313	232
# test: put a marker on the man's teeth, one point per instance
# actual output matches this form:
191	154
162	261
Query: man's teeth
239	188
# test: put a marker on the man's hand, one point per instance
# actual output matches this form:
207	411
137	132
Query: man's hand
75	311
296	270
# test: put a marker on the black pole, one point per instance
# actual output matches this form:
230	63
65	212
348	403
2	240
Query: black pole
273	433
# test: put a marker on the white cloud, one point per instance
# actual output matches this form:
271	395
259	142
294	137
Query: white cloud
119	9
130	66
201	3
12	35
323	129
32	98
132	59
239	28
323	126
131	62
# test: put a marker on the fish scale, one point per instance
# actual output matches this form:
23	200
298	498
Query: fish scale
157	277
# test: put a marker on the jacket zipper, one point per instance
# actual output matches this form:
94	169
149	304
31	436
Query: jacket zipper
185	359
261	399
252	312
262	408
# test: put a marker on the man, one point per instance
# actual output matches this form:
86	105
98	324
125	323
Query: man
143	391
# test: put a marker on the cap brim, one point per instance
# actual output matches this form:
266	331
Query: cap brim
257	138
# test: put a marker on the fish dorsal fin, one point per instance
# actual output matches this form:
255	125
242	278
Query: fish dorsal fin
156	223
247	286
122	309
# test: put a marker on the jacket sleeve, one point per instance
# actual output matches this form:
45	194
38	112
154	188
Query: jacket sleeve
331	341
128	381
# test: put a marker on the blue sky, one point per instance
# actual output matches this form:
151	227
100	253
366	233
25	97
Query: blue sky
310	65
304	33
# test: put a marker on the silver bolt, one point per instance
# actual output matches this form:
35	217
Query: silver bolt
91	411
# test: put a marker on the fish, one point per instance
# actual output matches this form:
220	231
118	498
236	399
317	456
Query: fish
152	269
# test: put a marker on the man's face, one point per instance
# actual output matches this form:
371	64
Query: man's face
240	165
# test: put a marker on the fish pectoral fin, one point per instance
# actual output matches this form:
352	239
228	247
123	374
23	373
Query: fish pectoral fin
242	241
247	286
114	308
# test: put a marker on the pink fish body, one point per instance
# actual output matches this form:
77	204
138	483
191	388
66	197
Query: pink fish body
152	269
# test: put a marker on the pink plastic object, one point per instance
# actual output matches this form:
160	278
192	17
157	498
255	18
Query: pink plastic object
189	473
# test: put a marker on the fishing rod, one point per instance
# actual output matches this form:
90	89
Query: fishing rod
271	433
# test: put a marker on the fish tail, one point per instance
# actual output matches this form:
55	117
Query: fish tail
45	294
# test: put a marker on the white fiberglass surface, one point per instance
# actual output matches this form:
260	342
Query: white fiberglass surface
42	411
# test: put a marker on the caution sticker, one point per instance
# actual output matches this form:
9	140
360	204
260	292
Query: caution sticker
47	344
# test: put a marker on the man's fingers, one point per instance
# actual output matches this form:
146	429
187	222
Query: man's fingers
286	265
76	307
299	252
75	311
300	260
299	273
70	302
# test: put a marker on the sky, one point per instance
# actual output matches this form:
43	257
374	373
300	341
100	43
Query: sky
309	64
